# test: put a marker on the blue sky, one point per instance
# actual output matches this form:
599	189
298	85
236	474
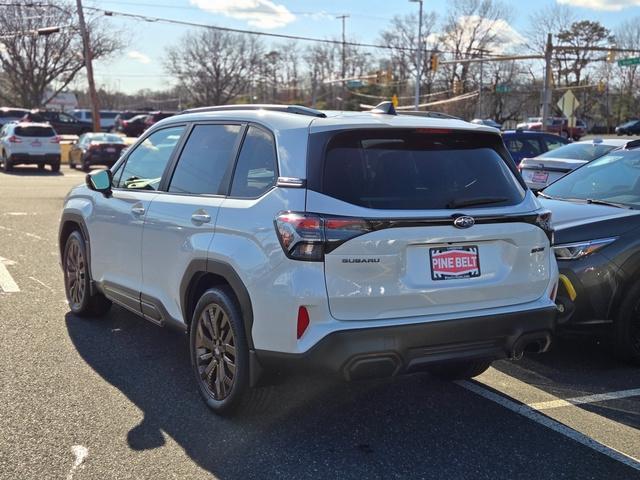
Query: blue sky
141	64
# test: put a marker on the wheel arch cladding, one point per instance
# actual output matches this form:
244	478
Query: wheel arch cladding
69	223
202	274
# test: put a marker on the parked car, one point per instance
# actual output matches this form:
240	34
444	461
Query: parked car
540	171
488	122
62	123
632	127
556	125
126	115
107	118
134	126
24	143
596	212
526	144
11	114
154	117
359	243
96	149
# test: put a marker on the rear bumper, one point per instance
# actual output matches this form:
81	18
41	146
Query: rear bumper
386	351
29	159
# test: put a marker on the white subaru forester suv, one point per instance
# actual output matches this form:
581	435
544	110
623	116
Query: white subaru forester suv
281	237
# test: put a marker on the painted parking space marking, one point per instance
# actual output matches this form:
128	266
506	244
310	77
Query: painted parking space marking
41	283
542	419
7	284
598	397
80	453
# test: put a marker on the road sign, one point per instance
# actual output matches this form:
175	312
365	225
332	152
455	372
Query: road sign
394	100
503	89
625	62
568	103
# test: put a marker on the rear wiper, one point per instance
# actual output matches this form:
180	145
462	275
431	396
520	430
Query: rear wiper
468	202
595	201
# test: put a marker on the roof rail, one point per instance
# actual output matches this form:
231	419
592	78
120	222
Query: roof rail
296	109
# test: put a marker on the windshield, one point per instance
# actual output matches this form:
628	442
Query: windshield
612	178
105	137
579	151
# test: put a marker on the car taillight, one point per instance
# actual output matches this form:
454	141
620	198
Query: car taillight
543	220
14	139
306	236
55	139
303	321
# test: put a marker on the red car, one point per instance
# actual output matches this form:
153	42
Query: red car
557	125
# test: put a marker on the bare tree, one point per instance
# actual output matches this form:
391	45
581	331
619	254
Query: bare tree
582	34
215	67
627	36
31	65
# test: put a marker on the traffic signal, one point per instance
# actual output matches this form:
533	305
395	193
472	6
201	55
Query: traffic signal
611	56
601	86
434	61
379	76
457	87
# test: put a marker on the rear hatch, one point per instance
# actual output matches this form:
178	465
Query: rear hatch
422	222
37	139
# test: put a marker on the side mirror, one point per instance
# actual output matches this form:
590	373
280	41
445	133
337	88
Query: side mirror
100	181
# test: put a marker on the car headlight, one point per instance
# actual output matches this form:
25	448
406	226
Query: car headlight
573	251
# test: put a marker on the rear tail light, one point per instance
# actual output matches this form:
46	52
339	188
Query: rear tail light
303	321
543	220
55	139
14	139
305	236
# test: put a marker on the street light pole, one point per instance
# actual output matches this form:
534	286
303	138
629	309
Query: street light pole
418	58
95	107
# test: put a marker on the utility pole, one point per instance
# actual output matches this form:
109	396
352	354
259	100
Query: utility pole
418	58
93	95
546	91
344	57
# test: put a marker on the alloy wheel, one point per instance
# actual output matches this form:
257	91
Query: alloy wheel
215	348
75	275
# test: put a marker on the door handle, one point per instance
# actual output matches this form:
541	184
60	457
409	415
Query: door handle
137	210
200	218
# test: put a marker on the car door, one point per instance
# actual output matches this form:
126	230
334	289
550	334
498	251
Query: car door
180	223
115	227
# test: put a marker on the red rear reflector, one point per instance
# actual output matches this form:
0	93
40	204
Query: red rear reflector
55	139
303	321
14	139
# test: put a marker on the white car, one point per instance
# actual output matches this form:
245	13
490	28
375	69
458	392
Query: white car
540	171
282	237
107	117
27	143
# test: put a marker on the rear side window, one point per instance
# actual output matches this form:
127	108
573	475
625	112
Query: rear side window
417	170
206	160
524	146
35	132
256	169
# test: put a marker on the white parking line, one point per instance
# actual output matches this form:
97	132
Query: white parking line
7	284
599	397
81	453
42	283
531	414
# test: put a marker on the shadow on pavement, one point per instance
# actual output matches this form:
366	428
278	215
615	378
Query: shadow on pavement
306	427
582	366
32	171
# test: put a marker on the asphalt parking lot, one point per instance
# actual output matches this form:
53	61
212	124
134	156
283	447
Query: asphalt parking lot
114	398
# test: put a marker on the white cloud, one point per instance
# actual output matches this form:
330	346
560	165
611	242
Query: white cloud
257	13
139	56
610	5
505	39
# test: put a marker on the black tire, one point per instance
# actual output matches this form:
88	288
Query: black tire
6	163
41	166
55	167
626	327
462	370
77	282
86	166
218	348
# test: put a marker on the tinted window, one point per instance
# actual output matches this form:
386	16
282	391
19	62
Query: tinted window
256	169
205	159
34	132
579	151
612	178
412	170
524	146
554	142
147	162
67	118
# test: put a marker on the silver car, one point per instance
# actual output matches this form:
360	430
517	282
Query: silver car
540	171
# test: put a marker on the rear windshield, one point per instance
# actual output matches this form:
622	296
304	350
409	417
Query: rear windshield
35	132
579	151
416	170
12	113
